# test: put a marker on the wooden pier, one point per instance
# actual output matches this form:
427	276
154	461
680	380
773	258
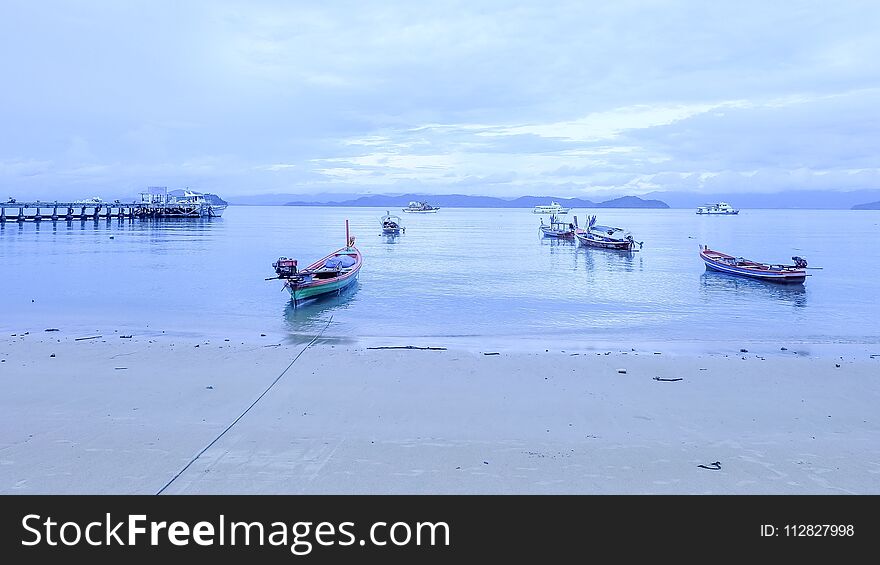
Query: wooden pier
37	211
164	207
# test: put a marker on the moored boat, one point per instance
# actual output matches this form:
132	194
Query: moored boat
558	228
330	274
739	266
415	207
606	237
552	208
718	209
391	224
159	202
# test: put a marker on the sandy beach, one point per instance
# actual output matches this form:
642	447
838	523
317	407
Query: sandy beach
130	415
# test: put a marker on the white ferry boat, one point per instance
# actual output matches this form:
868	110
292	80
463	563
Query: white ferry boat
420	208
158	201
719	208
554	208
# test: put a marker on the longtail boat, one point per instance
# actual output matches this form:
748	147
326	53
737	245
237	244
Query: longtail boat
558	228
330	274
391	224
606	237
722	262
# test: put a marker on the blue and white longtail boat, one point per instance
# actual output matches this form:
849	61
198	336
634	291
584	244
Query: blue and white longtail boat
391	224
724	263
606	237
558	228
330	274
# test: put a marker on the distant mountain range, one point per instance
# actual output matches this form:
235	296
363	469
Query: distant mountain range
464	201
868	206
792	199
214	199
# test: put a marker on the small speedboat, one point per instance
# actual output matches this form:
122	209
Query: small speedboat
724	263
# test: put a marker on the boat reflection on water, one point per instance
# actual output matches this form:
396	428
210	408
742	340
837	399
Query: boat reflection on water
557	244
309	317
609	259
390	238
713	282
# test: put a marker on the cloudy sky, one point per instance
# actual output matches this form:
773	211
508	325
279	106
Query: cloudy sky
580	98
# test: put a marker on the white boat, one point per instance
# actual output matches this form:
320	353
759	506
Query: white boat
554	208
719	208
194	200
160	202
391	224
420	208
606	237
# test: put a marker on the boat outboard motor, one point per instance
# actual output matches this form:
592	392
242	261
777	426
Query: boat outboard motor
285	267
799	262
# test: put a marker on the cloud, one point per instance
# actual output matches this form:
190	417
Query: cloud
505	99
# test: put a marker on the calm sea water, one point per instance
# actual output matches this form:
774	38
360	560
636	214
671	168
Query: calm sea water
483	275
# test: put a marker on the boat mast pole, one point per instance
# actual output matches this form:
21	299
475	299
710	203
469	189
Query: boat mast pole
347	240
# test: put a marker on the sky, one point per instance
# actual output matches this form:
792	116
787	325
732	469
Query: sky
575	99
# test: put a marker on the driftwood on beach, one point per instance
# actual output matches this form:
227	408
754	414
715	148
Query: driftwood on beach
408	347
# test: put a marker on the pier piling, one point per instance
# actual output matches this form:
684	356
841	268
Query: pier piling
157	208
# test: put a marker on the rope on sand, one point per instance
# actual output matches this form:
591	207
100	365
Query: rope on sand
229	427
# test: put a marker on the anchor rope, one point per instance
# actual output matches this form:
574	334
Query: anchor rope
240	416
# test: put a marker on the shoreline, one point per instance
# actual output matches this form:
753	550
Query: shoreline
124	415
524	343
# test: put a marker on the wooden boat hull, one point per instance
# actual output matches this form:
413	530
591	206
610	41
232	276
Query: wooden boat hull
317	287
557	234
585	239
299	293
785	276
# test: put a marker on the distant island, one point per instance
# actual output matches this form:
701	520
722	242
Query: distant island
788	199
214	199
868	206
465	201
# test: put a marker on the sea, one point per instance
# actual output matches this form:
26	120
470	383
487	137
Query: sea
479	278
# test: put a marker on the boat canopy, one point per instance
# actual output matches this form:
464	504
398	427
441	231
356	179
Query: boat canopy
340	262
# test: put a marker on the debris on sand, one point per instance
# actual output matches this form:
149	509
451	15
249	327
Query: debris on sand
408	347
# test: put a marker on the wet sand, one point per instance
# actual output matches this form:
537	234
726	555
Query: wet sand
134	416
